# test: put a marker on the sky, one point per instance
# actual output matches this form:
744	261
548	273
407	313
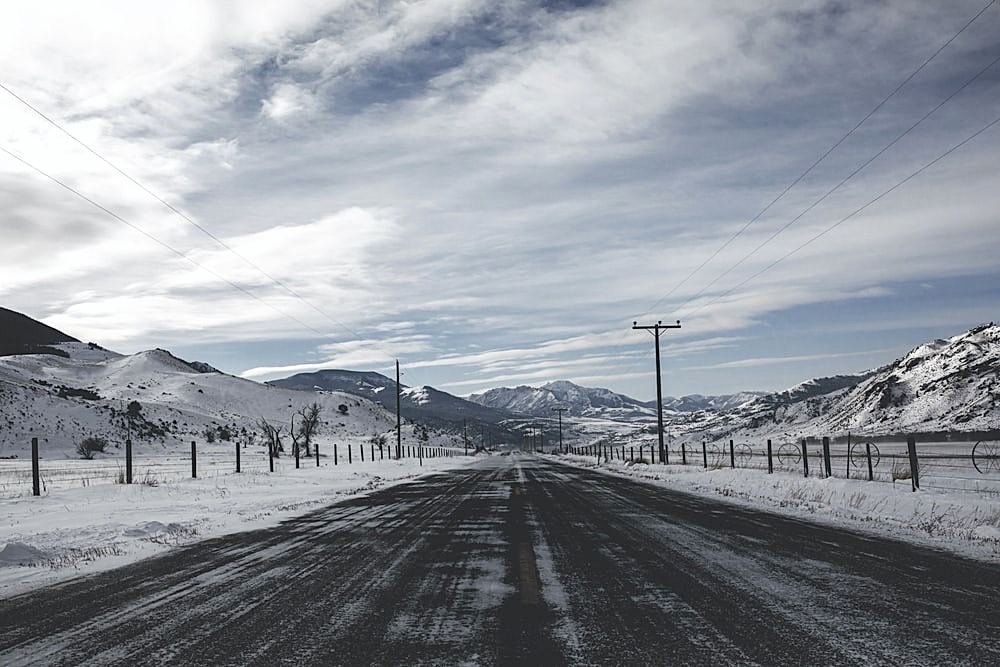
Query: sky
493	191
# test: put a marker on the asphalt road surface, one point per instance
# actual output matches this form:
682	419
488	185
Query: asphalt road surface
522	560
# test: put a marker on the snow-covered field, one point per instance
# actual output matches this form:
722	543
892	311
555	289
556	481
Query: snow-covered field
72	530
964	522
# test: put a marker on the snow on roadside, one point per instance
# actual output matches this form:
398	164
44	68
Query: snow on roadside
77	531
966	523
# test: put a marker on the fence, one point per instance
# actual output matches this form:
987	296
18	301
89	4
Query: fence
954	466
20	477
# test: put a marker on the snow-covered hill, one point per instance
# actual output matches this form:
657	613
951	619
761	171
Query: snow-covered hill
944	385
83	390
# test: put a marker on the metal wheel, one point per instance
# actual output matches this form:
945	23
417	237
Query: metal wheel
789	455
986	456
860	459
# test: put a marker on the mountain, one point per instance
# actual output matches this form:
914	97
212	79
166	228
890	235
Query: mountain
598	402
424	404
71	390
578	401
19	334
948	384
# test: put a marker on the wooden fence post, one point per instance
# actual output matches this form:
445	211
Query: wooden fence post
270	456
868	453
237	457
704	453
684	454
770	460
911	448
128	460
805	458
826	456
317	454
732	455
194	460
36	486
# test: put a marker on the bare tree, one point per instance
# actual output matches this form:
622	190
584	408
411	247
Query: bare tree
308	425
272	436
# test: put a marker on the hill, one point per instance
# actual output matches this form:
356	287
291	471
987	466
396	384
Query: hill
19	334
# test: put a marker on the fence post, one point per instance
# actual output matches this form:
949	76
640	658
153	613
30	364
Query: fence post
317	454
349	459
684	453
704	453
296	456
770	461
732	455
826	456
373	452
270	456
334	453
361	449
911	448
847	468
128	460
868	453
237	457
805	458
631	453
36	486
194	460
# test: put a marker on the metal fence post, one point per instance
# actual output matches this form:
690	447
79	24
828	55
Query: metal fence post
36	486
128	460
868	453
805	458
911	448
704	453
826	456
770	460
194	460
732	455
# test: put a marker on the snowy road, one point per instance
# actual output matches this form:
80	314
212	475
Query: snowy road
519	560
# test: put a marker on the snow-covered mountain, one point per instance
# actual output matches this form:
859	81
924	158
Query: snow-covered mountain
944	385
74	390
19	334
598	402
424	404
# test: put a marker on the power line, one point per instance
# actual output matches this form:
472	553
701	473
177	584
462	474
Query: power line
185	217
153	238
850	215
836	187
822	157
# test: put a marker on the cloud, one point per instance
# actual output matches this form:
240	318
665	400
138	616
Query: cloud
514	180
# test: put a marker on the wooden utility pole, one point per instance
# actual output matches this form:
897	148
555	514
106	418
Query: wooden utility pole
656	330
560	411
399	420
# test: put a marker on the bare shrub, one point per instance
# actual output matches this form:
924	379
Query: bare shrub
87	447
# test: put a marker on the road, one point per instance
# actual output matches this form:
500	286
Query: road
522	560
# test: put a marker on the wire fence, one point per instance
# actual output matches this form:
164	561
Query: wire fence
21	477
972	467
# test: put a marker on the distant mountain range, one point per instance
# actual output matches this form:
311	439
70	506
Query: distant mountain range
424	404
598	402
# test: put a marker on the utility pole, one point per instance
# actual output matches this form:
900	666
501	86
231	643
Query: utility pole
656	330
399	421
560	411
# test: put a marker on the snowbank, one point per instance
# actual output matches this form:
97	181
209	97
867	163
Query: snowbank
82	530
960	522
